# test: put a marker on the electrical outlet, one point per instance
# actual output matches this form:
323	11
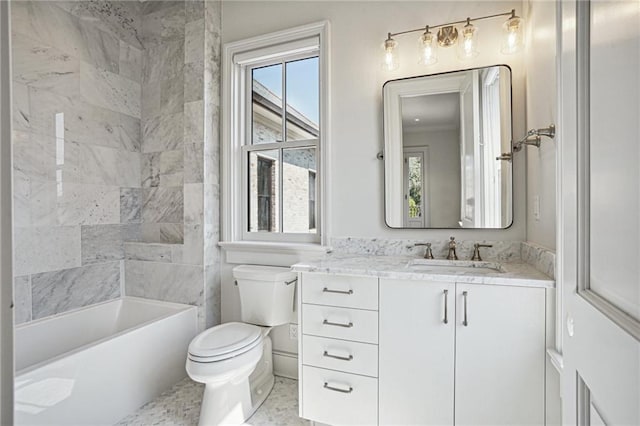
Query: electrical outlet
293	331
536	207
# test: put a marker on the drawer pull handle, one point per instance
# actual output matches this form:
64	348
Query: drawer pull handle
327	290
327	386
342	358
337	324
465	322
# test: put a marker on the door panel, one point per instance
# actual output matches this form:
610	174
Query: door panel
416	353
600	226
500	355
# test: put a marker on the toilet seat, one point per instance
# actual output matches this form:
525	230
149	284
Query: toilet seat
224	341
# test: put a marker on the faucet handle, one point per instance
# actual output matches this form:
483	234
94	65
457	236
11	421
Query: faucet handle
476	251
428	254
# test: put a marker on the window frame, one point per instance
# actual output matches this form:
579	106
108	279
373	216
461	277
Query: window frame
239	58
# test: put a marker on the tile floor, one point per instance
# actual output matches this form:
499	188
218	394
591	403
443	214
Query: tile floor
180	406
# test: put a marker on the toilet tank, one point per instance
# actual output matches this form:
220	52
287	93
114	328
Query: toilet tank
265	297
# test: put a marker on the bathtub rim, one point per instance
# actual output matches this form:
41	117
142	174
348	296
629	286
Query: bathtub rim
181	309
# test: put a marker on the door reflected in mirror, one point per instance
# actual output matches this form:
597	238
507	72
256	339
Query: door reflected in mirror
443	136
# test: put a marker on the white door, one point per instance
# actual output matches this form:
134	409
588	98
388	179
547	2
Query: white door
599	229
500	355
416	347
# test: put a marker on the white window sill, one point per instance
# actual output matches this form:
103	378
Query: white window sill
277	253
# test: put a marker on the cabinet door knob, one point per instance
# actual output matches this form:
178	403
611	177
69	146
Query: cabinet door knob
465	321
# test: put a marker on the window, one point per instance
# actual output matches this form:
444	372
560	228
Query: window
273	145
283	129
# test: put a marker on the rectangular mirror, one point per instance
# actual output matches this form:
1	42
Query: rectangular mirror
445	136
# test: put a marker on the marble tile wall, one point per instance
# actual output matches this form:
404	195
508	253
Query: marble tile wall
116	153
177	259
163	109
77	79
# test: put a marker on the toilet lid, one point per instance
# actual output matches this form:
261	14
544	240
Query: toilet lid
225	341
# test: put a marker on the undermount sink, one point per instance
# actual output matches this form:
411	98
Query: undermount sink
454	266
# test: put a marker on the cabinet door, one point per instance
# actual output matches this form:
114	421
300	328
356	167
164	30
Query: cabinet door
416	356
500	355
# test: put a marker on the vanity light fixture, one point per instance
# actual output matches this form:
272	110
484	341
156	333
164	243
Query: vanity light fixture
448	35
427	48
469	42
390	61
513	34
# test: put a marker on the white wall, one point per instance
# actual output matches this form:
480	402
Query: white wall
442	173
358	30
541	110
6	275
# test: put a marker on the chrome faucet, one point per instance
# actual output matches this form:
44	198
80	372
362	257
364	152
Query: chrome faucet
452	249
427	252
476	251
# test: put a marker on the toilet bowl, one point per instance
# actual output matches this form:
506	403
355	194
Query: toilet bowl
234	360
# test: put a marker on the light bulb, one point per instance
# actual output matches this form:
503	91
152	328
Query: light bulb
390	60
513	34
427	48
468	43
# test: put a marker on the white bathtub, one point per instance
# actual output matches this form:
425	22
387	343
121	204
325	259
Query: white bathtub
95	365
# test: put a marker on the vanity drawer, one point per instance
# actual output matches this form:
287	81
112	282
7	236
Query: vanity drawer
342	355
340	290
333	397
340	323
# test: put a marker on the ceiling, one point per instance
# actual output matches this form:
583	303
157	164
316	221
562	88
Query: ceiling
437	112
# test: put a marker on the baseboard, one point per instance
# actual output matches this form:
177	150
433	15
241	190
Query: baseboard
285	364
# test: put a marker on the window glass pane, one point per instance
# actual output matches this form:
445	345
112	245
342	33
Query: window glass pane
614	151
266	104
415	186
263	191
303	94
299	190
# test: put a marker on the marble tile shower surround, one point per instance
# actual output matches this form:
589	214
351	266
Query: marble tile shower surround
114	160
541	258
76	150
177	256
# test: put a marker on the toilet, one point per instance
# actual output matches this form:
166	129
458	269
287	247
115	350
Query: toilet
234	360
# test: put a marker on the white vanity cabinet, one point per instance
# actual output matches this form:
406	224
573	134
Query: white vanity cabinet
480	364
338	348
417	342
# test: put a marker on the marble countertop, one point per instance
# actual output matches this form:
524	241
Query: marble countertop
513	273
